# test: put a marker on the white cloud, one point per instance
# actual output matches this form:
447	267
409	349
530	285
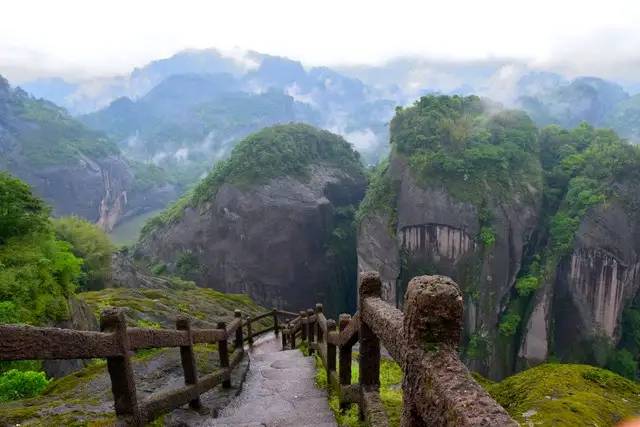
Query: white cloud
110	37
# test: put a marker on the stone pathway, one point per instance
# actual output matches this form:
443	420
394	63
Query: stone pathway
279	391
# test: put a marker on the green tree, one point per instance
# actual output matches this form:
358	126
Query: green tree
91	244
37	271
20	211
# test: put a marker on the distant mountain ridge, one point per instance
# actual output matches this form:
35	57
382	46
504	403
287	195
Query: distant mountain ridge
77	170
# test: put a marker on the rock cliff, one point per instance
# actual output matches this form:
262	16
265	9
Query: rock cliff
538	228
285	237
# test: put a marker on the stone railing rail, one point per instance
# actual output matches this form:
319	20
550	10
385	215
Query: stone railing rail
117	343
438	390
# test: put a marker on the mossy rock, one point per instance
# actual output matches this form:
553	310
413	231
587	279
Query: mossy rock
567	395
161	307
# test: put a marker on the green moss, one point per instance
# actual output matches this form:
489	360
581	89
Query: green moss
567	395
390	392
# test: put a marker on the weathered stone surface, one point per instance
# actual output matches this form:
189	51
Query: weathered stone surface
437	387
437	233
268	241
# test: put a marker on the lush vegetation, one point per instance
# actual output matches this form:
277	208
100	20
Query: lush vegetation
284	150
390	392
91	244
15	384
581	167
460	143
52	136
380	196
37	270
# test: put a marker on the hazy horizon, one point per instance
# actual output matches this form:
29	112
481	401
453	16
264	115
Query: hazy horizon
93	39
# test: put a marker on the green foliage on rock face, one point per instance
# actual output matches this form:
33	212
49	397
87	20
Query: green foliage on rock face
52	136
283	150
15	384
509	323
458	143
567	395
380	196
91	244
37	271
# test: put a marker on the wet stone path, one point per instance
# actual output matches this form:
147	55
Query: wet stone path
279	391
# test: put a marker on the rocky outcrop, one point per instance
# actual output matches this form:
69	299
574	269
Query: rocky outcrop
591	287
438	234
268	241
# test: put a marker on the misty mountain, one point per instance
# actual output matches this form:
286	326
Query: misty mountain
78	171
190	120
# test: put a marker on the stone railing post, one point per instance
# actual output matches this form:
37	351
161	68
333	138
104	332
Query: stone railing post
223	353
276	325
123	384
284	339
292	335
433	319
239	342
188	359
345	353
319	332
311	330
370	286
331	350
249	332
303	325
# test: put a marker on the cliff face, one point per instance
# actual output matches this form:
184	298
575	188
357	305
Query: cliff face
592	286
437	233
269	242
538	227
274	221
75	170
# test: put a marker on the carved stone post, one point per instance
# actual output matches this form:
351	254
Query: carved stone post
276	325
345	353
249	332
188	359
319	332
370	286
433	318
223	353
303	325
292	335
123	385
331	351
311	330
284	339
239	341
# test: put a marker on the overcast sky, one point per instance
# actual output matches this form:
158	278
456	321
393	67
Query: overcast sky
88	37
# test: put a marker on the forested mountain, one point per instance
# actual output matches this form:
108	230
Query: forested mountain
538	227
77	170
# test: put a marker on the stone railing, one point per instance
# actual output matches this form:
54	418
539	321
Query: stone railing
438	390
117	343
